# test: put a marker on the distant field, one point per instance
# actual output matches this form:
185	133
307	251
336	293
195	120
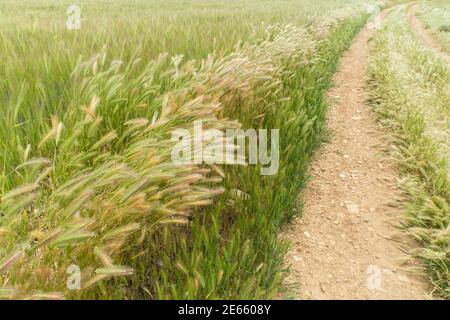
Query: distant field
146	28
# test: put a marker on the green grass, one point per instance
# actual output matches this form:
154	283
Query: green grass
410	91
86	174
39	54
251	253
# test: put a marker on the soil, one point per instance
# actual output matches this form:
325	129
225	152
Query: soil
344	244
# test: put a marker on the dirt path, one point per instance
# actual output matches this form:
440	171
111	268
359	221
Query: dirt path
342	246
418	28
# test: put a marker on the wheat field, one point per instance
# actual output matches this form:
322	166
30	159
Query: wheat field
88	182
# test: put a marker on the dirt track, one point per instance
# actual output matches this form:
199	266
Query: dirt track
344	245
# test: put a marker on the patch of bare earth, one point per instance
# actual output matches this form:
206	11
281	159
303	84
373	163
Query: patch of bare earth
421	33
343	244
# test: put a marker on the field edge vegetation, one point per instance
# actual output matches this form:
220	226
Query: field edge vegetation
402	72
251	244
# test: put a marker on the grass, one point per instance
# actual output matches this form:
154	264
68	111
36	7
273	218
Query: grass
36	74
251	249
87	178
410	91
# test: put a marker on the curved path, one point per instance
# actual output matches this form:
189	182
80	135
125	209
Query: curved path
421	33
